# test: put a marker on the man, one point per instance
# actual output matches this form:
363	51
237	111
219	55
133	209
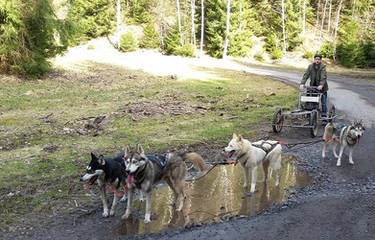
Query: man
318	77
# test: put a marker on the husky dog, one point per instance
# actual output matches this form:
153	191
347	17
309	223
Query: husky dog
108	172
251	155
144	171
346	136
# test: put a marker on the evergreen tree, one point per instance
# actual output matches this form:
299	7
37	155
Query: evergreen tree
95	18
137	11
150	38
28	36
215	27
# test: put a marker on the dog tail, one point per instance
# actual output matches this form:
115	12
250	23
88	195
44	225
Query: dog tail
197	161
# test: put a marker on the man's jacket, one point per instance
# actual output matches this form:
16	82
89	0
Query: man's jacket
317	76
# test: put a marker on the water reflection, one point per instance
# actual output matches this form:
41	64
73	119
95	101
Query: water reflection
216	197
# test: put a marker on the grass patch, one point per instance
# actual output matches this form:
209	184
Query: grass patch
49	126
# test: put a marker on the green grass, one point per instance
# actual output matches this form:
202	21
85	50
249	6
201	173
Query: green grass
48	112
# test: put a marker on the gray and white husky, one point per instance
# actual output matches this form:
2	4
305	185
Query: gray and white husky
107	172
345	136
144	171
251	155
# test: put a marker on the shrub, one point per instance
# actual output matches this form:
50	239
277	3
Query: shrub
90	47
259	57
186	50
150	38
277	53
327	50
308	54
240	44
128	42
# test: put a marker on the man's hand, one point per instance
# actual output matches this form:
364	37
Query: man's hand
320	87
301	87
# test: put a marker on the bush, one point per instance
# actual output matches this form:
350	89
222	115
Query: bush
308	55
277	53
259	57
128	42
186	50
327	50
240	44
90	47
150	38
353	51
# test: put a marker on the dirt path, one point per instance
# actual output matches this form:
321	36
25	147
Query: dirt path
339	203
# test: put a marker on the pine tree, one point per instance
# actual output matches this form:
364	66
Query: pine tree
151	37
215	27
28	36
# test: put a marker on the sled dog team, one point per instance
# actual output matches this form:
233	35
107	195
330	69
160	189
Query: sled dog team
139	171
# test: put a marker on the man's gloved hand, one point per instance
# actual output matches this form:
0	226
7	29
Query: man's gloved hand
301	87
320	87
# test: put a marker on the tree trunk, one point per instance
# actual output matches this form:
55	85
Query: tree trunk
324	15
192	26
227	31
179	19
299	15
202	28
317	18
118	22
240	27
329	16
336	28
353	11
304	18
283	20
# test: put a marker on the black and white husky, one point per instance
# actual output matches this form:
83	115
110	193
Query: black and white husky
109	172
345	136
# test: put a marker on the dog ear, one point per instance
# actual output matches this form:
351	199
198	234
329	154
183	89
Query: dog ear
93	156
127	150
101	160
240	138
234	136
140	149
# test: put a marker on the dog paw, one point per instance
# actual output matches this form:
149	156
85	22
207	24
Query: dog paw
112	213
351	162
123	199
125	216
147	218
105	214
338	164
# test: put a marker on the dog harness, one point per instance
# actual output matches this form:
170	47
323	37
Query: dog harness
264	148
160	159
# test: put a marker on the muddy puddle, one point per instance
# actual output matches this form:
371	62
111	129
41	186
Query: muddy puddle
214	198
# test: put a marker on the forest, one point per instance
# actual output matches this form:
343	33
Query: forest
34	31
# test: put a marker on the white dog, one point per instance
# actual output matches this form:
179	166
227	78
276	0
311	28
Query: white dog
251	155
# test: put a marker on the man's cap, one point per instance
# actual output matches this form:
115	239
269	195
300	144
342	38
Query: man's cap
318	55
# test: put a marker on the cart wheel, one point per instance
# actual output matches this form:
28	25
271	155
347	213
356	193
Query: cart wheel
277	120
314	123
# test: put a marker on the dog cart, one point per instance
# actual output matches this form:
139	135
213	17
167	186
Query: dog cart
307	114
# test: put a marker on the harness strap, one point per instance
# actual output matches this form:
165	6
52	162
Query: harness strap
261	146
119	194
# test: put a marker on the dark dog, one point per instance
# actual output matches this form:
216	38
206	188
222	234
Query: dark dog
107	172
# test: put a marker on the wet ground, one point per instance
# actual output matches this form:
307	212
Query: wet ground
218	197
